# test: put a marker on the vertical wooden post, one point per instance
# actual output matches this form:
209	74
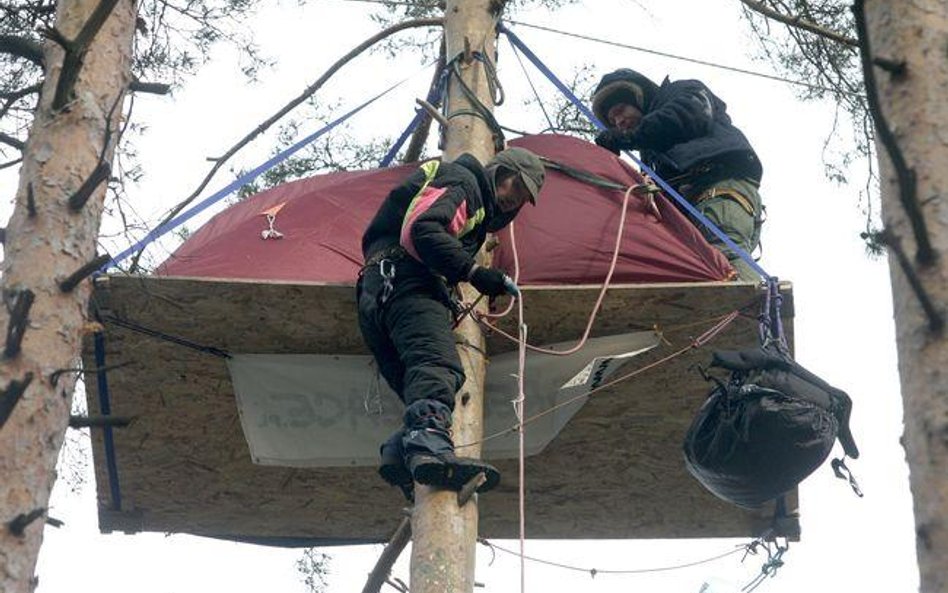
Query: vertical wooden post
445	535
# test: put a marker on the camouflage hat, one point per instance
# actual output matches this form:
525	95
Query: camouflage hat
527	164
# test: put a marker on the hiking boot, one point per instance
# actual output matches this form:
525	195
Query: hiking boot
429	451
392	465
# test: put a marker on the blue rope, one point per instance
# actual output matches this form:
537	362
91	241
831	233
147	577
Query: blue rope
435	94
668	189
240	182
105	407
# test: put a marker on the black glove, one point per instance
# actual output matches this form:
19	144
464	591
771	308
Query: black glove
614	140
488	281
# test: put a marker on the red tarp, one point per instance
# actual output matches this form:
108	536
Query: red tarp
567	238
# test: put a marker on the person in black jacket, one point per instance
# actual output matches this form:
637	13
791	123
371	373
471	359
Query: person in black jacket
421	242
683	132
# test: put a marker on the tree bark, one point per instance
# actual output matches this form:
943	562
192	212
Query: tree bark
444	534
914	106
45	243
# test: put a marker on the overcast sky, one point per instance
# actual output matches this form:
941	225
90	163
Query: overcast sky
843	324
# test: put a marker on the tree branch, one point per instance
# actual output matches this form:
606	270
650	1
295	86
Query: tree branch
76	52
22	47
18	524
219	161
18	301
101	173
925	253
99	421
11	163
11	97
11	395
11	141
70	283
155	88
799	22
390	554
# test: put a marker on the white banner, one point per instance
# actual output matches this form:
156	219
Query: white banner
308	410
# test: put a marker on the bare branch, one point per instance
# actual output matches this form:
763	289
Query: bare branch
19	302
76	52
11	141
70	283
19	523
11	395
905	175
155	88
22	47
799	22
82	195
390	554
99	421
219	161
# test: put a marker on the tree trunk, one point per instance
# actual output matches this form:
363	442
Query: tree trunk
46	242
444	534
917	112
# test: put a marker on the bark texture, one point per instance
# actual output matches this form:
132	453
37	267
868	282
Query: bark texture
917	112
444	534
46	242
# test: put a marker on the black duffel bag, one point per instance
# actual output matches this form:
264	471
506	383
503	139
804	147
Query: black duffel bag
770	426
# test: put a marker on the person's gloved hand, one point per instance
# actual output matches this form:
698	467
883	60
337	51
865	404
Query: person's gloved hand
614	140
489	281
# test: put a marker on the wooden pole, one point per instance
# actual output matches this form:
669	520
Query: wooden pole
444	534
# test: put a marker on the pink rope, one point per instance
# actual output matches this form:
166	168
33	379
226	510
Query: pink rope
602	292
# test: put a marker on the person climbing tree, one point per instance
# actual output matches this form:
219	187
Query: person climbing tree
683	132
421	242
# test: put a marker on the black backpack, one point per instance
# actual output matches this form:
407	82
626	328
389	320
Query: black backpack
770	426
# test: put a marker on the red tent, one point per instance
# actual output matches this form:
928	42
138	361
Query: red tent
567	238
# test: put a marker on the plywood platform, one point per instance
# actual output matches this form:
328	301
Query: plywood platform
615	470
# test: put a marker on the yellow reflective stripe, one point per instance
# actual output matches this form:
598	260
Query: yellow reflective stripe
472	222
430	169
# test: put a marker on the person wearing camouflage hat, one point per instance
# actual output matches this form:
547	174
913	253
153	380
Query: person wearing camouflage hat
421	242
683	133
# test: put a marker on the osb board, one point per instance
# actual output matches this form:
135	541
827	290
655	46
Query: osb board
615	471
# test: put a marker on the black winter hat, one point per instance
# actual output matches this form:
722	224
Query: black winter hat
622	86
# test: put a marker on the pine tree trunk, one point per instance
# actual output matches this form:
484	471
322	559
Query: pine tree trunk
444	534
46	242
916	109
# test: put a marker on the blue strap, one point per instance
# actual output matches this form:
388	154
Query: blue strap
435	94
244	179
668	189
390	155
105	407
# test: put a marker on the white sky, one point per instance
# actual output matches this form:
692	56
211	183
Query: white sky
843	323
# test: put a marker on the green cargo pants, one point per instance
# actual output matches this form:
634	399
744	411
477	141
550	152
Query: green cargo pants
735	207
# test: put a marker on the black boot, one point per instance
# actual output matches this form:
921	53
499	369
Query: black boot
429	452
392	465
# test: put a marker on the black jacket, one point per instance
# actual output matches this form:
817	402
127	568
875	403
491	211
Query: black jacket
448	225
686	136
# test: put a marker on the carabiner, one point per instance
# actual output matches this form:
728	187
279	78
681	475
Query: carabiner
387	270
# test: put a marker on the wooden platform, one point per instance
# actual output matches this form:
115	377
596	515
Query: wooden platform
615	471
